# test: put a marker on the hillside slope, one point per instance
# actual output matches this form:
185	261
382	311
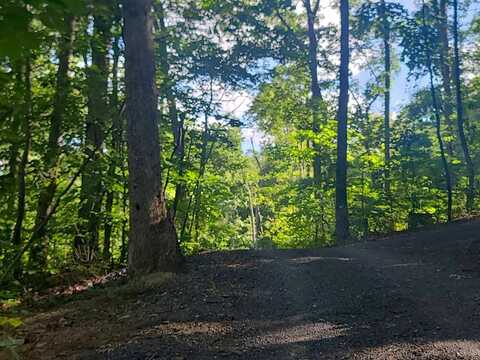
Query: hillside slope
415	295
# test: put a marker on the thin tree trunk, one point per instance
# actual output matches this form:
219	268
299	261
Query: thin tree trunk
446	168
197	193
177	123
205	155
316	99
87	240
258	214
153	240
117	136
446	73
341	206
39	250
17	114
460	120
258	222
40	228
180	189
13	152
255	156
198	188
438	128
185	219
17	230
123	245
253	224
387	87
189	205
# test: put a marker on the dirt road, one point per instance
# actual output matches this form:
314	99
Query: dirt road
414	295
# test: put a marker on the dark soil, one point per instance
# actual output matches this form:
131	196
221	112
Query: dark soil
414	295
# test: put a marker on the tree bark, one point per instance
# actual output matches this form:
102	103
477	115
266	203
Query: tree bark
341	205
39	250
153	241
460	120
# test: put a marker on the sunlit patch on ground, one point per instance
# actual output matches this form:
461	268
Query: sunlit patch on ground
404	265
309	259
243	265
188	328
438	350
465	349
299	333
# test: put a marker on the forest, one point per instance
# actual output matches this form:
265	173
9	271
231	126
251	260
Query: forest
140	133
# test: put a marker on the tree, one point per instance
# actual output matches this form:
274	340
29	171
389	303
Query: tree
341	206
316	100
117	145
420	49
445	64
459	102
386	29
383	19
63	128
427	47
153	242
176	121
51	158
22	168
91	196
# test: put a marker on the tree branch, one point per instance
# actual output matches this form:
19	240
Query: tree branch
289	29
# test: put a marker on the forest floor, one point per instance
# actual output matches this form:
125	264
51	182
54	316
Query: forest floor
412	295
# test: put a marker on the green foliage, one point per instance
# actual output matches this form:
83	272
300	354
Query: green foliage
379	17
225	195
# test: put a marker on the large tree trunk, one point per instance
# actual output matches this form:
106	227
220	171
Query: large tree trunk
39	251
460	120
341	206
87	239
26	129
153	241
